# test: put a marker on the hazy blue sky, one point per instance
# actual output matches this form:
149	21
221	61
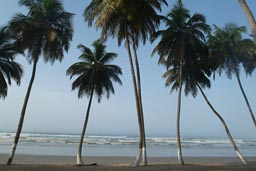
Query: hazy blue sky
54	108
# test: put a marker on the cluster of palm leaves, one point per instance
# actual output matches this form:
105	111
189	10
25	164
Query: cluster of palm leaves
9	69
186	48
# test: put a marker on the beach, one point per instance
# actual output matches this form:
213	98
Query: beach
102	145
57	152
114	163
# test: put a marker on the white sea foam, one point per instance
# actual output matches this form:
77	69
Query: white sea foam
66	144
115	140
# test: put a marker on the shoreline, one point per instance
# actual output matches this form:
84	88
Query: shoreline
117	160
24	162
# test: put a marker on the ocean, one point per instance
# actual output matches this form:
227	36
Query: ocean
66	144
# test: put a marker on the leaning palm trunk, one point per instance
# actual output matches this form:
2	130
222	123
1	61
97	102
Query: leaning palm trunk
246	99
138	158
79	160
22	115
144	153
225	126
180	158
249	16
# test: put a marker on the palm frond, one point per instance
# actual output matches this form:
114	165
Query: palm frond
9	69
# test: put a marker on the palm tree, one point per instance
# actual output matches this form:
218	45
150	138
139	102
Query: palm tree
250	17
129	21
224	125
184	35
45	31
196	74
94	76
230	51
9	69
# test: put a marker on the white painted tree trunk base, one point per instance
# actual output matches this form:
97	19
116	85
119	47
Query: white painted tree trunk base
79	160
241	157
137	161
141	157
180	157
144	157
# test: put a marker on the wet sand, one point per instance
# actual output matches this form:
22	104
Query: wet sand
67	163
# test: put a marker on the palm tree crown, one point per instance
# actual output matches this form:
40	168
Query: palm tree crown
115	17
230	50
94	71
193	74
9	69
46	29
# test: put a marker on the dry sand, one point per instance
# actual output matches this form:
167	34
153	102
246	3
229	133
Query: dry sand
67	163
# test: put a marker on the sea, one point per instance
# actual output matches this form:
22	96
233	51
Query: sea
102	145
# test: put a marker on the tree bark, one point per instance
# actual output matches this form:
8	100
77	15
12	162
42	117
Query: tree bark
246	99
136	163
144	153
249	16
180	158
79	153
225	126
22	115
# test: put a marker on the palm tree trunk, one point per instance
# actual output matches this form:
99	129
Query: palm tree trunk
22	115
246	99
144	153
79	160
249	16
225	126
180	158
138	158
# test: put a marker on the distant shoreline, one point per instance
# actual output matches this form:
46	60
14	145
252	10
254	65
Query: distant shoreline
67	163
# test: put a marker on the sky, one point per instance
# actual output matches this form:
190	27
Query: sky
54	108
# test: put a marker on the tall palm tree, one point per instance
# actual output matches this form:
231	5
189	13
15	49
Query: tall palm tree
230	51
196	74
184	35
94	76
129	21
9	69
239	154
250	16
46	30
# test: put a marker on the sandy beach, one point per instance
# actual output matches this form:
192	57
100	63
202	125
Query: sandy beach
66	163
